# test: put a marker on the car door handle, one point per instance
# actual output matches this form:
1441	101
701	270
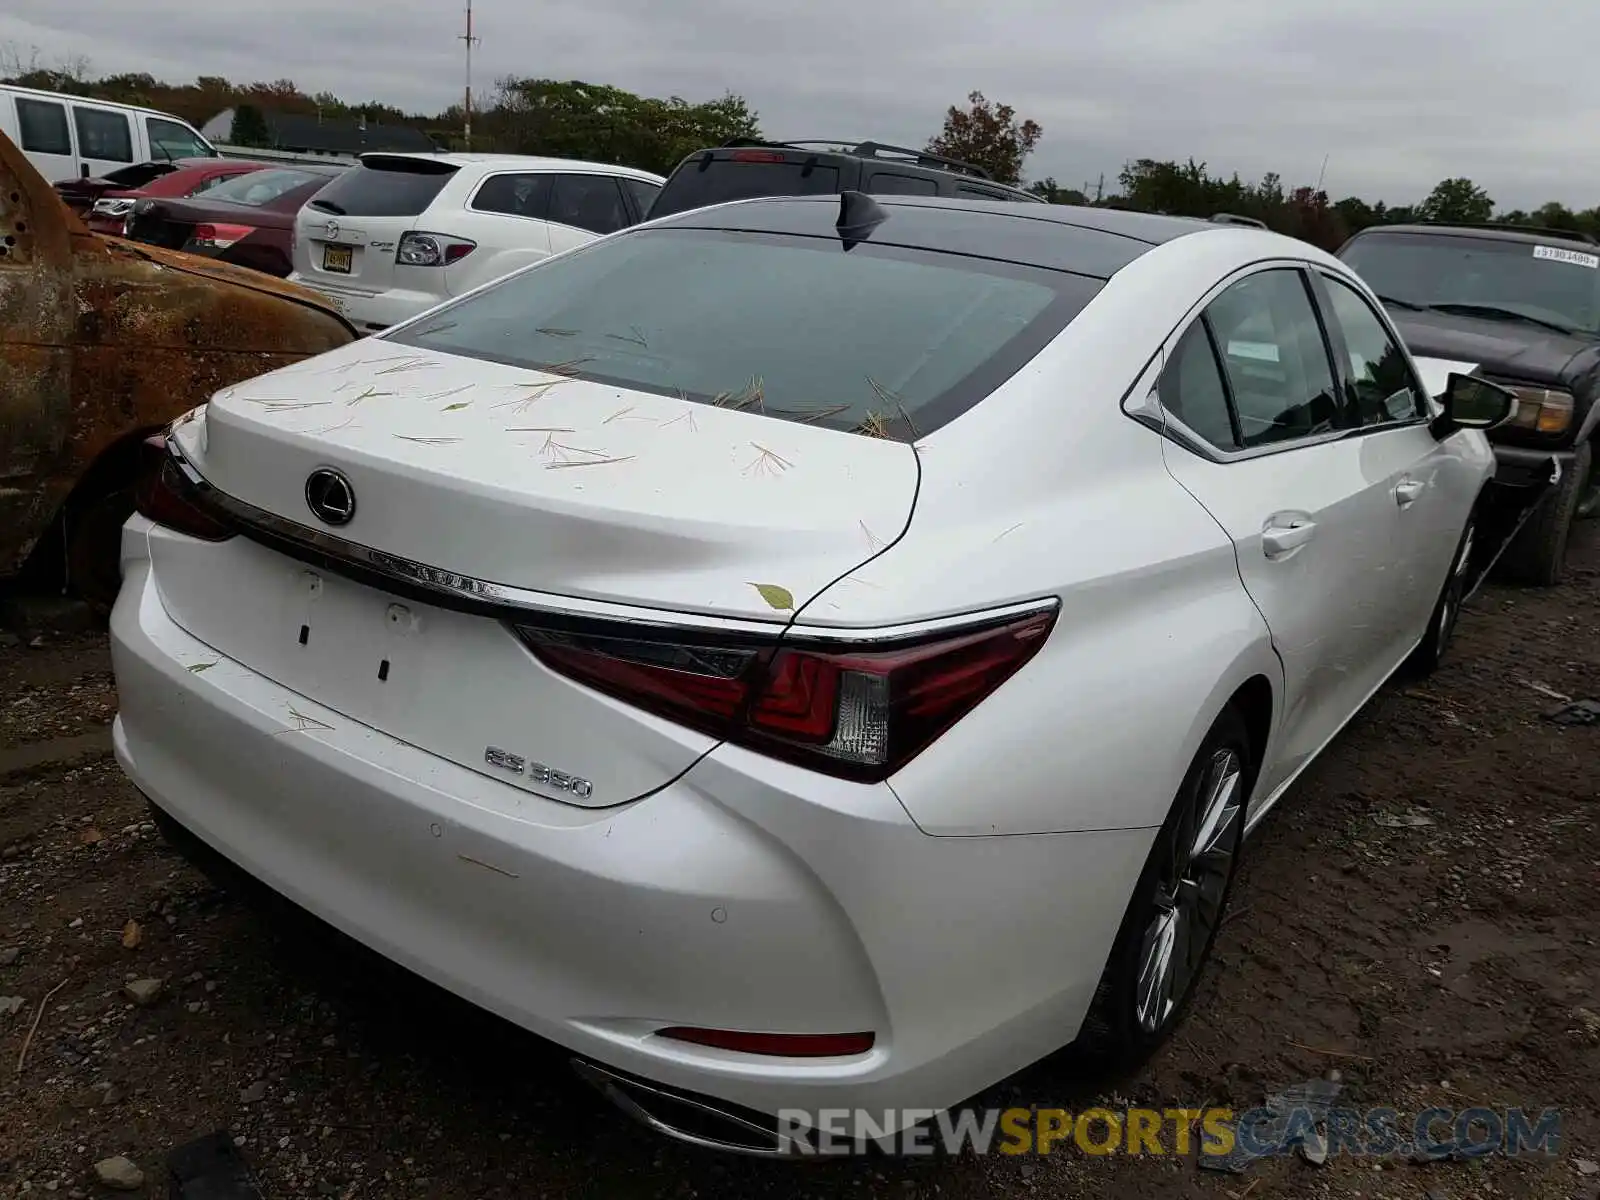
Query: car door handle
1408	491
1277	540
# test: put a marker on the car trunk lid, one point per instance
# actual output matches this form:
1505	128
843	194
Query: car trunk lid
569	492
348	233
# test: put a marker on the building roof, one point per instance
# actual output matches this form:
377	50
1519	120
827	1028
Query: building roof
341	135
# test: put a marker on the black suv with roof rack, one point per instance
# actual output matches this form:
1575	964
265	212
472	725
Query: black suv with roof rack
745	168
1524	304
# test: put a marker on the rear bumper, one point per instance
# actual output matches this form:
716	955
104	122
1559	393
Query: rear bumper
371	312
745	895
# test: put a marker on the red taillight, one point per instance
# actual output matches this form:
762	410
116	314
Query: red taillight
858	712
164	496
756	156
783	1045
212	236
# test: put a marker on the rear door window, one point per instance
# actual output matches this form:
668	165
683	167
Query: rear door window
103	134
696	184
1275	359
385	187
43	127
880	340
590	202
525	194
972	191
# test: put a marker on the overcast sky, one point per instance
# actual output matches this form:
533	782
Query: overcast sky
1395	95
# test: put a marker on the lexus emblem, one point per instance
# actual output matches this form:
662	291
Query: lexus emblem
330	497
332	228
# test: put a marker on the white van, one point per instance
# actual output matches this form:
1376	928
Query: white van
71	137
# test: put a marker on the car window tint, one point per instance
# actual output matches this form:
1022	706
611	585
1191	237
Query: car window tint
698	182
256	188
886	340
209	182
103	134
43	127
1275	359
644	192
891	183
385	186
589	202
1379	387
524	195
1192	390
973	192
170	140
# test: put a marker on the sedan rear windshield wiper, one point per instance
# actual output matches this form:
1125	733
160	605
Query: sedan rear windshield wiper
1510	314
326	206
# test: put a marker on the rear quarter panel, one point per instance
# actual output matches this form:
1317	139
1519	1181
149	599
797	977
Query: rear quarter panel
1048	489
505	244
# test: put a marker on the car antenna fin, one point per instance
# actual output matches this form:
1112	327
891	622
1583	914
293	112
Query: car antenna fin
859	215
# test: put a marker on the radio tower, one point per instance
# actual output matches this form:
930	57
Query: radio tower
466	124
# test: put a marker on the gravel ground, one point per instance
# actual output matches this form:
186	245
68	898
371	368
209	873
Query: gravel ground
1419	916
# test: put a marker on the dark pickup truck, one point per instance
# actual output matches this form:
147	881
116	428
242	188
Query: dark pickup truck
1523	304
745	168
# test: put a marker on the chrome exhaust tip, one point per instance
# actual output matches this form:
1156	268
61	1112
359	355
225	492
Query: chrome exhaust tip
684	1117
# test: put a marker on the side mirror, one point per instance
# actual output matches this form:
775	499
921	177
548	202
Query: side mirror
1472	403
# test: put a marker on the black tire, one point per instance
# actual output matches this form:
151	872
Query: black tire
1435	642
1122	1028
1538	554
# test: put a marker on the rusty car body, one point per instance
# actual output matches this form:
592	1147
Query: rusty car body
103	342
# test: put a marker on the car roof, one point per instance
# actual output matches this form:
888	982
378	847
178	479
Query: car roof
1525	234
1086	241
93	101
898	159
527	162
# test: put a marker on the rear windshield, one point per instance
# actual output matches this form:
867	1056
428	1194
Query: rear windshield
697	184
879	340
1557	284
256	188
397	187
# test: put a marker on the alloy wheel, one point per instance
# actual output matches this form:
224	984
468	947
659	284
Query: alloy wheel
1190	889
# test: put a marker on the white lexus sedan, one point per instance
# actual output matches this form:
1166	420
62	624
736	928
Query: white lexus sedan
805	653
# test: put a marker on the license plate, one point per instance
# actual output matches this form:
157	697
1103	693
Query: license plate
337	259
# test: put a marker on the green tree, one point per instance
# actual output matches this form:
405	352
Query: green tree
987	135
249	127
1555	215
1356	213
574	119
1458	201
1054	193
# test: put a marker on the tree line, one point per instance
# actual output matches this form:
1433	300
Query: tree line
601	123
